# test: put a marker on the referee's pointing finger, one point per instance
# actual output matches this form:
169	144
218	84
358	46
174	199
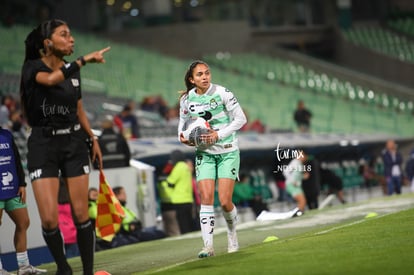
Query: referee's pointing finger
104	50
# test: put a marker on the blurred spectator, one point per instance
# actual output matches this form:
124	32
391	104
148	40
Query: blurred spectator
254	126
8	106
20	133
409	170
244	195
131	230
334	183
155	104
168	213
114	147
311	185
172	116
131	103
176	194
93	194
131	224
13	202
127	122
294	173
281	188
370	176
279	180
66	224
4	117
9	102
392	159
302	117
197	196
243	192
367	171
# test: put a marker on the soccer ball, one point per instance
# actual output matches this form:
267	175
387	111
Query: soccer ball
194	128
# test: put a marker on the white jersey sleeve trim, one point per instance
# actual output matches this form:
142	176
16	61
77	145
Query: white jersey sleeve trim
238	119
183	116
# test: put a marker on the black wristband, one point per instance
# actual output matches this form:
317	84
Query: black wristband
82	60
69	69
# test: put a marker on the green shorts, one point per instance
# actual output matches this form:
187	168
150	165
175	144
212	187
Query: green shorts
12	204
293	190
209	166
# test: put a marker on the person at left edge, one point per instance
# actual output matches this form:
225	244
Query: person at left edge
52	104
13	201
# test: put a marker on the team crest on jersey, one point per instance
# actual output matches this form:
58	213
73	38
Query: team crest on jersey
75	82
213	104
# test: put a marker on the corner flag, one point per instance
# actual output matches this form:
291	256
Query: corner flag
110	212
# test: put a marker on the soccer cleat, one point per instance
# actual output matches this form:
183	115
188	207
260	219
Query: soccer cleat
206	252
233	244
5	272
29	269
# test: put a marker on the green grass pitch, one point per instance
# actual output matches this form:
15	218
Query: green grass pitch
335	240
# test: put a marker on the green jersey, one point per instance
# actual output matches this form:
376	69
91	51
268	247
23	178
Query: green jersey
222	111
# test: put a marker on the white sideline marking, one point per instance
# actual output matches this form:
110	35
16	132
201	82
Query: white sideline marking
346	225
174	265
339	227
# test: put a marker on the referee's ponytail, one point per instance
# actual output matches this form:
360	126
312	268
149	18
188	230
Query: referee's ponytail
35	49
34	43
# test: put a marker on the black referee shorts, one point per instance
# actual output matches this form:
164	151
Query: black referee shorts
49	154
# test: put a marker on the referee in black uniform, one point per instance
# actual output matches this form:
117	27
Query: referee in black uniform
52	103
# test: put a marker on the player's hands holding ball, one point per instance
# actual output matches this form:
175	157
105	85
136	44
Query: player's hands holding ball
209	138
185	140
198	133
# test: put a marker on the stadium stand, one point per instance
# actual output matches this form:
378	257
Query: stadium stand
404	25
298	75
268	87
330	97
382	40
